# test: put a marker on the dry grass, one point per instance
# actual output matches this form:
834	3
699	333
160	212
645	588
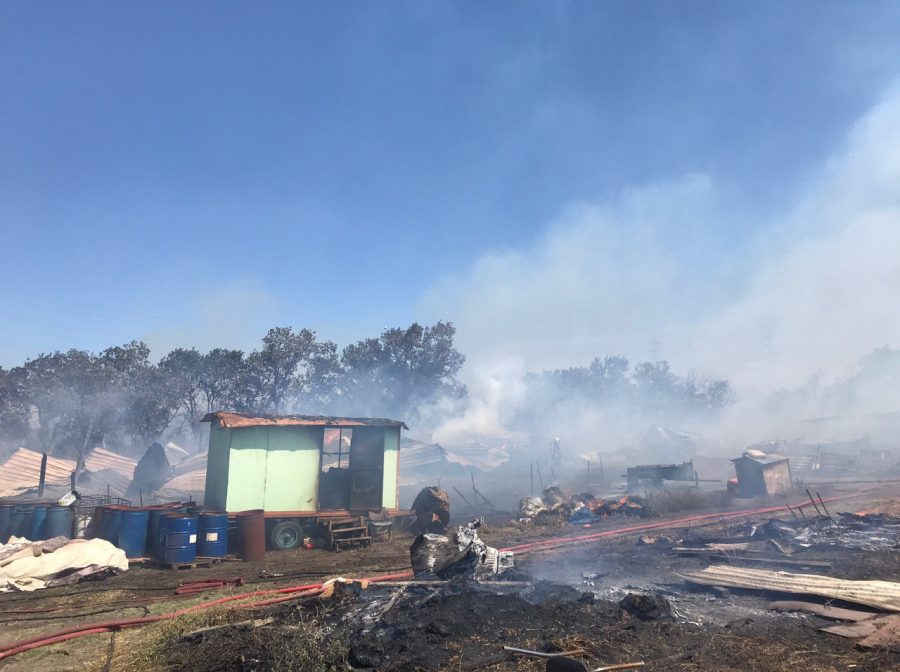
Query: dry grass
295	642
146	649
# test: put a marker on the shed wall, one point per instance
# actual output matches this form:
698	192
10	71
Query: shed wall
247	468
750	478
389	494
292	468
277	468
216	492
778	478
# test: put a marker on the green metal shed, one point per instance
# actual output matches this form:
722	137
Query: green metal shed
290	467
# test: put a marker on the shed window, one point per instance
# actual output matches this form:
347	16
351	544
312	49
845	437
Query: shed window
336	449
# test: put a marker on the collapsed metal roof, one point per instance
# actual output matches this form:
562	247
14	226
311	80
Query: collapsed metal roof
21	471
236	420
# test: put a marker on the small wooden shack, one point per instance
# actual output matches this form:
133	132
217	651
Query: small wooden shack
302	465
760	475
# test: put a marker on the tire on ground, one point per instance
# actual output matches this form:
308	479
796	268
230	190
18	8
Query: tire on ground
286	535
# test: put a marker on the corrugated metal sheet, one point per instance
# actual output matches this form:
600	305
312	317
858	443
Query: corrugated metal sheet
193	463
100	459
235	420
23	470
192	481
175	453
102	482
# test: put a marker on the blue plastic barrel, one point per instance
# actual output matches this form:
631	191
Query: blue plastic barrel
15	520
112	523
212	536
58	522
157	513
5	521
133	532
179	538
24	529
153	522
37	522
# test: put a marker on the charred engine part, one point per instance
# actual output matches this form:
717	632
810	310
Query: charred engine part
464	555
432	509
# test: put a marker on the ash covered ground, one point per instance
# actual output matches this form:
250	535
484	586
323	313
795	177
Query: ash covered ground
618	601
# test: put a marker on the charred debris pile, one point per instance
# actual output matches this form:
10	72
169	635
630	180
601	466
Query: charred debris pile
510	623
555	508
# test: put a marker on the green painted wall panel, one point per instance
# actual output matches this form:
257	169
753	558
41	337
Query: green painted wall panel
247	468
391	456
217	467
292	468
278	468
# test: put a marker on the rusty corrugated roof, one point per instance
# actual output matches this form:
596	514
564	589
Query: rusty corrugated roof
100	459
194	462
103	481
192	481
236	420
22	471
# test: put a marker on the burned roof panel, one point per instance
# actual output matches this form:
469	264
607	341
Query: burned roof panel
236	420
22	469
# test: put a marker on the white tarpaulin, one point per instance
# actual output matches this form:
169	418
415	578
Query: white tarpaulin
26	565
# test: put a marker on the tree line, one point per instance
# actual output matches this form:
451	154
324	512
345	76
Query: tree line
63	402
66	402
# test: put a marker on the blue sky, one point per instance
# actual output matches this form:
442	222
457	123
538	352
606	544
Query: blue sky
193	174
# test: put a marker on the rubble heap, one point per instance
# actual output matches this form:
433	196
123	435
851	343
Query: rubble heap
464	555
553	507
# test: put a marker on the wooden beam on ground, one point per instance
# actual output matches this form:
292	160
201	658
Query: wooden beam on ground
877	633
744	557
823	610
883	595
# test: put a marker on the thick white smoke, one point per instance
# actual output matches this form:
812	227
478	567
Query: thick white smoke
809	294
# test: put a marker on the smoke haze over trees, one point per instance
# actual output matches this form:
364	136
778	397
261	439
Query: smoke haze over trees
649	391
60	402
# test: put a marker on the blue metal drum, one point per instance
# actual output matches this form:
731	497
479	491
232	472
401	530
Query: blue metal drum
58	522
111	523
37	522
212	538
5	520
133	532
178	533
101	522
153	525
15	520
24	529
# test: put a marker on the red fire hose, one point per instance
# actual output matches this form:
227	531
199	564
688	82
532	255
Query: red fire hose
563	541
294	592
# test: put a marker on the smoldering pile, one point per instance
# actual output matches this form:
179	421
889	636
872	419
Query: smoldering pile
460	555
554	508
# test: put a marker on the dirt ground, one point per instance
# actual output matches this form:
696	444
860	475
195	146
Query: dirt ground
576	603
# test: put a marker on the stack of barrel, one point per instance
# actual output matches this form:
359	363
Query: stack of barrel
170	533
35	521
